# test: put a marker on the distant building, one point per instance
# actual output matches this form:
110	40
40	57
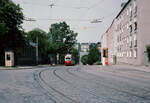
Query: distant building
85	47
77	46
104	48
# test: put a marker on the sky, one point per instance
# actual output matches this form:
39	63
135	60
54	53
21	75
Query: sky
77	13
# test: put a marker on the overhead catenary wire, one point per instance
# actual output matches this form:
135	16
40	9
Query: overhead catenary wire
59	19
68	19
54	5
96	4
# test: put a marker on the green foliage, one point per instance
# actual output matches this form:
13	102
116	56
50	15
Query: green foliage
11	18
84	59
61	58
43	42
10	14
3	29
92	45
93	56
148	51
62	40
62	37
75	54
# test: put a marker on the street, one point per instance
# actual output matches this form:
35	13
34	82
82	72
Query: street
75	84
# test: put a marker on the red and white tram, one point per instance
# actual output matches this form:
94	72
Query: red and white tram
69	60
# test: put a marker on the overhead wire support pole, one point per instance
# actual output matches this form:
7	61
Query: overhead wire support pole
36	45
37	57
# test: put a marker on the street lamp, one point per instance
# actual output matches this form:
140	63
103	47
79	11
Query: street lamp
36	46
37	57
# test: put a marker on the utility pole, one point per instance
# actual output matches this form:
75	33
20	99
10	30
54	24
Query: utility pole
37	58
34	44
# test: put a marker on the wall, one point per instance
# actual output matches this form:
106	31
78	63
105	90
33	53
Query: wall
144	27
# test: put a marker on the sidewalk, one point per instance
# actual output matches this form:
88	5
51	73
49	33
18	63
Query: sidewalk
16	68
23	67
140	68
122	70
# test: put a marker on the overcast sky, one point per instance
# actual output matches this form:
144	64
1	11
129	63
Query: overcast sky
77	13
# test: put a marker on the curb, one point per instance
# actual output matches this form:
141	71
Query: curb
140	68
13	68
25	67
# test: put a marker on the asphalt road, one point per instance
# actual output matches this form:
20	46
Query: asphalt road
74	84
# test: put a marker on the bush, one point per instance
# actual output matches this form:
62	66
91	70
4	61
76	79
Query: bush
94	55
75	54
98	63
84	59
148	52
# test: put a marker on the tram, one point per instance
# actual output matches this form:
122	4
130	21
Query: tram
69	60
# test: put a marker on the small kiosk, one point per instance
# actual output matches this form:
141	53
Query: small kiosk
9	58
105	56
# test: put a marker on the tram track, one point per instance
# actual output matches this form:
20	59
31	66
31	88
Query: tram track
54	72
48	94
59	97
69	100
86	91
119	90
71	84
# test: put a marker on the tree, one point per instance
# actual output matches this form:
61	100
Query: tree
92	45
94	55
84	59
62	37
43	42
75	54
11	18
3	29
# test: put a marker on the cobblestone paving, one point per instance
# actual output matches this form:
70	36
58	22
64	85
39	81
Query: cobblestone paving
74	84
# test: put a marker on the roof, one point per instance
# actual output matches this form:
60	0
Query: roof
118	15
123	8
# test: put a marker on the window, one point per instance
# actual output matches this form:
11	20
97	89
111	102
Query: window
105	53
127	39
130	53
135	9
130	14
127	54
68	58
135	40
130	28
130	42
8	57
135	24
135	53
118	38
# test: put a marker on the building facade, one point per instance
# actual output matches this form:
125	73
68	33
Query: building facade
104	48
128	35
